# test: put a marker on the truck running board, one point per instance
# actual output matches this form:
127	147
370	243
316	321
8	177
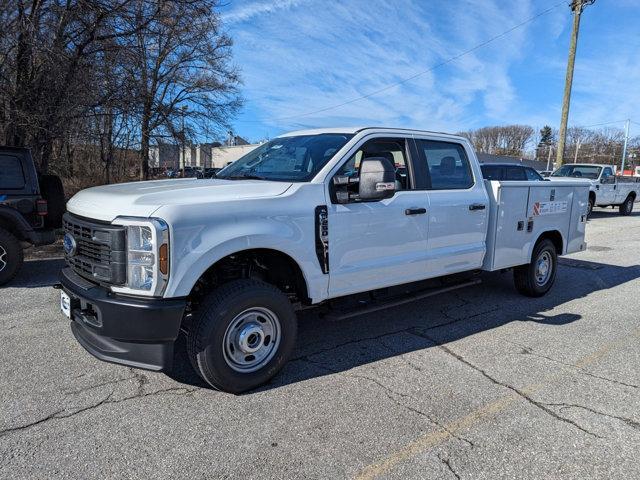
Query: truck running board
336	315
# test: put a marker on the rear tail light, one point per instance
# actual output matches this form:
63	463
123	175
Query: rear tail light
41	207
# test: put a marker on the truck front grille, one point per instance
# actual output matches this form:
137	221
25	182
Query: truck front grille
100	250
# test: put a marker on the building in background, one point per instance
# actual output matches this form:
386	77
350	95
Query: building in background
223	155
164	156
204	155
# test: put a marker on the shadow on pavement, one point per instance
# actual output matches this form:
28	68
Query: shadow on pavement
37	273
326	347
604	212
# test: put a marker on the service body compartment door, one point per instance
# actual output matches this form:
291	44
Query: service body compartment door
522	211
507	237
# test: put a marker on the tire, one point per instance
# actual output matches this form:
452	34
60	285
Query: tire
627	207
11	256
590	206
528	278
233	320
52	191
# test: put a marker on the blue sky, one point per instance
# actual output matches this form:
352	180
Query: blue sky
301	56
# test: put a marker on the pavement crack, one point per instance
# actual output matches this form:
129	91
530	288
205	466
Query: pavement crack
517	391
60	414
140	378
98	385
451	321
57	415
628	421
447	463
526	350
392	394
31	424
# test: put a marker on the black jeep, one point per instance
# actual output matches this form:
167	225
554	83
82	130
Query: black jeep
31	208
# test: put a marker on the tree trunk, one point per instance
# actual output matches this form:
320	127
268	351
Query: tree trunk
144	144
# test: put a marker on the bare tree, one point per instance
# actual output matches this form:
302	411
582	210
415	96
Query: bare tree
86	79
501	140
181	59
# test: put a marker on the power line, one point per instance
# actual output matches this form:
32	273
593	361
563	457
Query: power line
600	124
419	74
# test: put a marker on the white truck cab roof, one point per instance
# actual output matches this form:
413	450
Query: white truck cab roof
356	130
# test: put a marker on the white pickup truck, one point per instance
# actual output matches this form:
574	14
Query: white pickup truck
606	188
309	218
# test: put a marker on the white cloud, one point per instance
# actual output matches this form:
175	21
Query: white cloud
254	9
299	57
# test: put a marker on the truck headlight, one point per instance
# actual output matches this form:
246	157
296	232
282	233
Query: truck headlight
147	256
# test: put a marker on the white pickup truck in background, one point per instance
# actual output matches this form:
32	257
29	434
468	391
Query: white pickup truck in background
354	219
606	188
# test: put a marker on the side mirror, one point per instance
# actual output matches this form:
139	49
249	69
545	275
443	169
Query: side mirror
377	179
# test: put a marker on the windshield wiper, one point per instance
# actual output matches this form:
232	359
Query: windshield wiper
243	177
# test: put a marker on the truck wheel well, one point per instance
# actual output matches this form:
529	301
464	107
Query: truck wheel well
270	266
633	195
592	196
556	239
9	226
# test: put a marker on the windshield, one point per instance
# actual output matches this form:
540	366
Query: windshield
578	171
290	159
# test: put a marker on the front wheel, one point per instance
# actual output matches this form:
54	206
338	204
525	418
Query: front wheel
536	278
11	256
627	207
242	335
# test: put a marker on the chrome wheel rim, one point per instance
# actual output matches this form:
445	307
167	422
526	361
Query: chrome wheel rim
589	208
544	266
251	339
629	206
3	258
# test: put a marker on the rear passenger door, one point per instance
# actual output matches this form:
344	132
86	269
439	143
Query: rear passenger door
458	207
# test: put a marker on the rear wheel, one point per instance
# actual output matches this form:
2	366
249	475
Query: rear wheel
242	335
627	207
11	256
536	278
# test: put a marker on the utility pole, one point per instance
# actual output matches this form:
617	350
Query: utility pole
575	157
576	6
624	148
549	159
183	157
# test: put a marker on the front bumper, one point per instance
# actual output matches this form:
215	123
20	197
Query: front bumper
120	329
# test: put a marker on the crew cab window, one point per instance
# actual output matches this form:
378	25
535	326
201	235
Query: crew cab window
515	173
11	174
533	175
492	172
448	164
393	149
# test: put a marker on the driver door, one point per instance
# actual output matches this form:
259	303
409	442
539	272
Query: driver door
380	243
607	190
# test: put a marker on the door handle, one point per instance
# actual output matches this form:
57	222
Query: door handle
477	206
415	211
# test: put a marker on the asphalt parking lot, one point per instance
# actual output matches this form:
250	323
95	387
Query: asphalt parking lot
478	383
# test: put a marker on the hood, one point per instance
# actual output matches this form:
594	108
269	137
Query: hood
141	199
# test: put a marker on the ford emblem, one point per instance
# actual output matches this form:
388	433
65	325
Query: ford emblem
69	244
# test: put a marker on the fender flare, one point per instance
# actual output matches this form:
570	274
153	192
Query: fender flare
209	258
542	234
